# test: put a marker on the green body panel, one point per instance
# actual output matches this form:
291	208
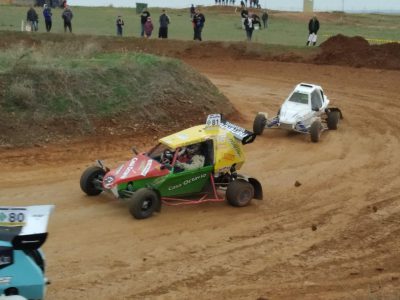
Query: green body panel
136	184
184	183
173	184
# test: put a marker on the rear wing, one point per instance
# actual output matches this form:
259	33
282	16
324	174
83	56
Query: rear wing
25	227
243	135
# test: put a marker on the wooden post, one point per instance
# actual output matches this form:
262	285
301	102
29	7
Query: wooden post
308	6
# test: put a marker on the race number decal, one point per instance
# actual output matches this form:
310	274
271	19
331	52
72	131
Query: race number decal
213	120
10	216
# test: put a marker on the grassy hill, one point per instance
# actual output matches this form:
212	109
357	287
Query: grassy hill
66	88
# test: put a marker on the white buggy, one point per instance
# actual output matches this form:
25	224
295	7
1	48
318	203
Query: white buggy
305	110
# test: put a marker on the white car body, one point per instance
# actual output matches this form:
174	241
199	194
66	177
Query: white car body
306	105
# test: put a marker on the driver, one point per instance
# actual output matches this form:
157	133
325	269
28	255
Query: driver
190	158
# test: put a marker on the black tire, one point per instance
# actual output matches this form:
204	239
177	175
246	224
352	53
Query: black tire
239	193
333	119
315	131
143	203
87	180
259	124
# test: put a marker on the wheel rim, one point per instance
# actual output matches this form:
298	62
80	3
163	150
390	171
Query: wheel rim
97	180
147	204
245	196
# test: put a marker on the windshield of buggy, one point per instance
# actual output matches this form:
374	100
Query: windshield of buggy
299	98
156	152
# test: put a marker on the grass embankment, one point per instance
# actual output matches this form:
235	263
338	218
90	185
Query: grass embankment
70	88
222	24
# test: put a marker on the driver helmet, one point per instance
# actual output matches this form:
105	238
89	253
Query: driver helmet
168	155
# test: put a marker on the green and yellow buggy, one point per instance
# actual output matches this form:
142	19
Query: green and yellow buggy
152	178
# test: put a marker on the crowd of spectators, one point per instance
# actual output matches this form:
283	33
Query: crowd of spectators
250	20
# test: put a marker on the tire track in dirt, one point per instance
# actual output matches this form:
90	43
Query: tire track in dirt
349	191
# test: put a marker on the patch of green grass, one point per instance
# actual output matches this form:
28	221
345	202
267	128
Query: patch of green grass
66	80
284	29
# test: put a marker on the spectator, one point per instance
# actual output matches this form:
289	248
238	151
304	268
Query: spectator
32	18
148	28
120	24
198	24
264	18
313	27
164	22
67	17
192	11
242	6
47	14
249	25
64	4
143	19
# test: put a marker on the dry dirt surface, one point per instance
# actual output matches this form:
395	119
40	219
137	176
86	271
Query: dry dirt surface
334	236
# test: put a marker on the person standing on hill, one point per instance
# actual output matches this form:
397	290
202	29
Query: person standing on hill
143	19
164	22
313	27
67	17
264	18
120	24
32	18
148	28
198	24
249	25
47	14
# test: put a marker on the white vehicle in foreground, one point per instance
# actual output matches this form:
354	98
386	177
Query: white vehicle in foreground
305	110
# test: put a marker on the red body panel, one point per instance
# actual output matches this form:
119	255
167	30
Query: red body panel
139	167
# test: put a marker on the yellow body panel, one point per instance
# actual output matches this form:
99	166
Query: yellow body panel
227	149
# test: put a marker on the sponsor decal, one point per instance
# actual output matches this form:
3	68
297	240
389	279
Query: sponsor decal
119	169
221	138
129	168
5	260
237	131
187	181
235	147
108	181
5	280
146	168
183	136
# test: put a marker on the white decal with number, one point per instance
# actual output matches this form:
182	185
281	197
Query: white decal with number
213	120
12	216
34	219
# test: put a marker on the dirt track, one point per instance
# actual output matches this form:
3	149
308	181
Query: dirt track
350	191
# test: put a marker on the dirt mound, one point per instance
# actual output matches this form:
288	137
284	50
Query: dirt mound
55	91
340	42
357	52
